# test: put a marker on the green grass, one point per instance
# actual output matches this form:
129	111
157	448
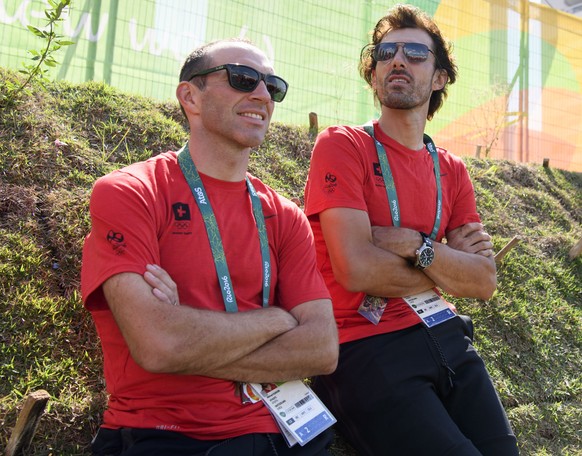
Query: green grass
529	333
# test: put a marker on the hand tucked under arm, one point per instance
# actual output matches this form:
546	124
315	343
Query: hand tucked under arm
311	348
471	238
465	266
400	241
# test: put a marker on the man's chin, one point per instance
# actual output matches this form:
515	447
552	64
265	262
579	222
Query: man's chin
255	140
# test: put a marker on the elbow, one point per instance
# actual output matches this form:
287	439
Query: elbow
484	291
154	358
330	353
488	285
353	273
330	360
350	279
329	369
349	284
489	289
333	357
151	363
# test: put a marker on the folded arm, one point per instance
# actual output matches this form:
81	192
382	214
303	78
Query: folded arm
262	345
463	267
361	265
308	349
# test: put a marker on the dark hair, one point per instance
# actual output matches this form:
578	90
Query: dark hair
407	16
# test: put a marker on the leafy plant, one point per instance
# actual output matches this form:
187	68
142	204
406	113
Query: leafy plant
44	56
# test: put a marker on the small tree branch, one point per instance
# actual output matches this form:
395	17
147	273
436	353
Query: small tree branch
27	422
499	256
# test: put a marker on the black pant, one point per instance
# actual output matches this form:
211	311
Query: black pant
153	442
417	392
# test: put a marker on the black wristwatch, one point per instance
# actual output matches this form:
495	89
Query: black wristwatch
425	253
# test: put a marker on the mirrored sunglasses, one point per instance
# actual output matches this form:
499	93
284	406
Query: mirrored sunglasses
414	52
246	79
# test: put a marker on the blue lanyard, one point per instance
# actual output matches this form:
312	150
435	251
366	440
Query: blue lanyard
193	178
391	188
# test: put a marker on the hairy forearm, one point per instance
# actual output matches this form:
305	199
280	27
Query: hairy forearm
307	350
181	339
383	273
218	340
360	264
464	267
386	264
462	274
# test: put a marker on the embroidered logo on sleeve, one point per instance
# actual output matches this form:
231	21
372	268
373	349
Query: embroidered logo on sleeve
330	183
117	242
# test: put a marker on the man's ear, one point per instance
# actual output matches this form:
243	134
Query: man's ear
187	95
439	79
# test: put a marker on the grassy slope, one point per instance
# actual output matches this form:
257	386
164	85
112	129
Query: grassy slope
530	333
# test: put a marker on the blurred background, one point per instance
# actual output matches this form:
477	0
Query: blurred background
518	95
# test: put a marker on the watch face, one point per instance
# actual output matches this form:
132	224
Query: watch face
425	257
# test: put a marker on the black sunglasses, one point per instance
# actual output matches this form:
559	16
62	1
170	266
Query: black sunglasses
246	79
414	52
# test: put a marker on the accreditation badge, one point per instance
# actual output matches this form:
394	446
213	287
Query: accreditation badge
299	413
430	307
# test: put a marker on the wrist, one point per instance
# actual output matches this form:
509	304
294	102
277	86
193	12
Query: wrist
424	255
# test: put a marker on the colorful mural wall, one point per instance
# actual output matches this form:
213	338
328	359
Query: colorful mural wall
518	96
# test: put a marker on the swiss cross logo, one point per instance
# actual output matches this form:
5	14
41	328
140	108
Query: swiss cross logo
182	217
377	169
181	211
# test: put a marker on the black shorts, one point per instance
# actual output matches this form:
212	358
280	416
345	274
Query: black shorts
148	442
417	392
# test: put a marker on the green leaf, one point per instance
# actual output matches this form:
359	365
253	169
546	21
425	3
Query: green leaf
35	30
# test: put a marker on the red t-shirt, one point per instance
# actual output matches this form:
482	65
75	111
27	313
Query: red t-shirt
345	172
146	213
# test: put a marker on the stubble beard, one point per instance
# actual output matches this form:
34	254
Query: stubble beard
404	100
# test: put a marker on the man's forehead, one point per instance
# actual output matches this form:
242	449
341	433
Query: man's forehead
239	52
408	35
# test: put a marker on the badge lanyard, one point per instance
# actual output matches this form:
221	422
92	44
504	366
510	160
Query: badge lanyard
193	178
391	188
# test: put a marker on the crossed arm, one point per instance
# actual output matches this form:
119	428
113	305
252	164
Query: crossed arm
379	260
263	345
